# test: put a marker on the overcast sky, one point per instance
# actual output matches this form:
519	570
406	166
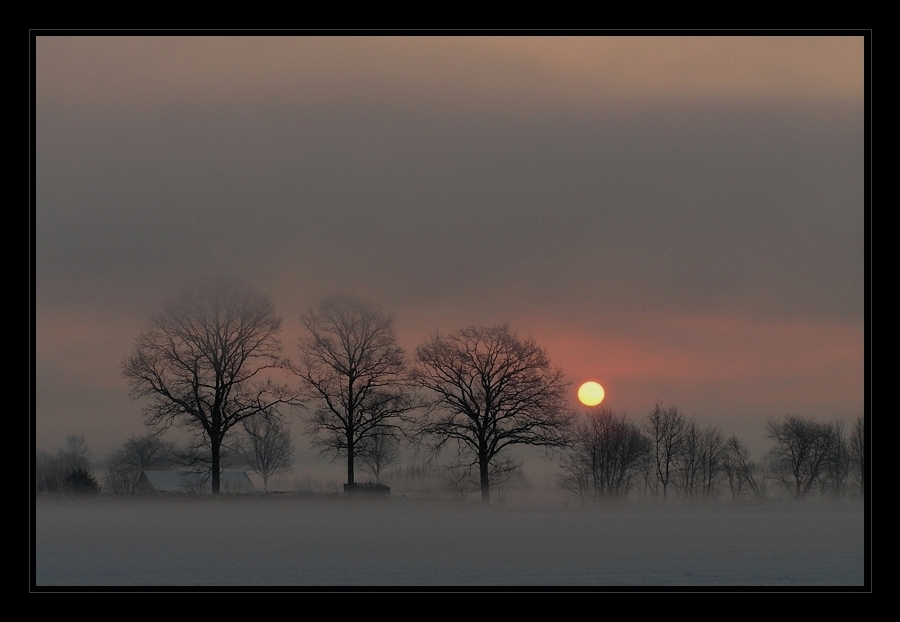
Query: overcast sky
678	218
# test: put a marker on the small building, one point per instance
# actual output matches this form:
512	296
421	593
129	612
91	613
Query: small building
235	483
230	482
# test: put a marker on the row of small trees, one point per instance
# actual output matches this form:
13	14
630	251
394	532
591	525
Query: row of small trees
263	446
608	457
668	454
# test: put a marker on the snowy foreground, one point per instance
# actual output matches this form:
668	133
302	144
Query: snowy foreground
397	542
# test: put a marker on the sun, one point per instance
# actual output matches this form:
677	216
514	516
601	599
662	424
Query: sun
591	393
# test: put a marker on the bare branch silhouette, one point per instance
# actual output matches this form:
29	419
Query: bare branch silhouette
491	390
203	362
355	373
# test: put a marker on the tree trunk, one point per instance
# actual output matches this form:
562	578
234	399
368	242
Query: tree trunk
350	479
485	480
349	429
214	448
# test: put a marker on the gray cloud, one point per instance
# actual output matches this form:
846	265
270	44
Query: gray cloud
473	181
686	209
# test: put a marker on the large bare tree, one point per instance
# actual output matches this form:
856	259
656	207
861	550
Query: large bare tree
355	374
205	361
490	390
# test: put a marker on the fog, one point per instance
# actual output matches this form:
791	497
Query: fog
400	542
678	218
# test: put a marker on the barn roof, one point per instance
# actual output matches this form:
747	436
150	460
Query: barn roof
175	481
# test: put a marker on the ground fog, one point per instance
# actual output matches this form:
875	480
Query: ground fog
397	542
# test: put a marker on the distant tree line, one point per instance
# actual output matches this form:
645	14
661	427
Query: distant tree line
211	361
670	455
607	457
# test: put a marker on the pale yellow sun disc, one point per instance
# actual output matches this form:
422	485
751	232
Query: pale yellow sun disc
591	393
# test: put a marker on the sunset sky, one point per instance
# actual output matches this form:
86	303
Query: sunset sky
678	218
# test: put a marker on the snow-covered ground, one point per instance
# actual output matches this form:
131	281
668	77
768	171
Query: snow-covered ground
290	541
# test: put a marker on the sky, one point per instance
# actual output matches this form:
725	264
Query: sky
678	218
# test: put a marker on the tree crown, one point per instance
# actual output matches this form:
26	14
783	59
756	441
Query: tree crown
201	359
492	389
349	353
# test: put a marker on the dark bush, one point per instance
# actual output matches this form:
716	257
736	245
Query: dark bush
368	487
81	482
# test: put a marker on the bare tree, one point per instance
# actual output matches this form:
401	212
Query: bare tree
76	454
204	363
68	471
802	449
354	371
836	469
266	447
48	476
576	475
666	431
858	453
712	460
700	461
739	469
607	455
75	457
688	461
124	466
490	390
379	451
120	479
148	452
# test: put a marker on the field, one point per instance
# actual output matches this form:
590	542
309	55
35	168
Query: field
397	542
